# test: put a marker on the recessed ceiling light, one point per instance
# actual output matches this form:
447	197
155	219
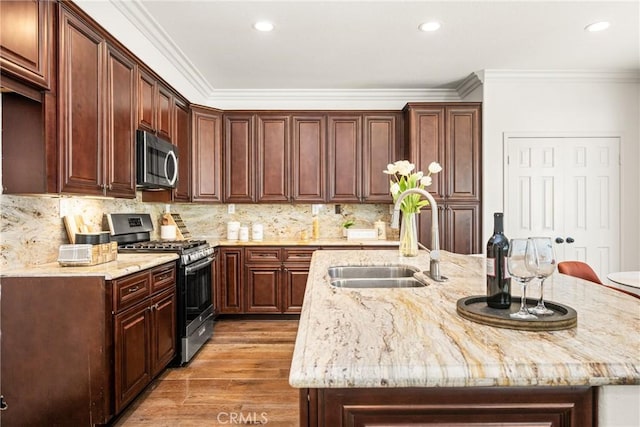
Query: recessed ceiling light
429	26
263	26
597	26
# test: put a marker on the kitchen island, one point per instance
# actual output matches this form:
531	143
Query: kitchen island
403	356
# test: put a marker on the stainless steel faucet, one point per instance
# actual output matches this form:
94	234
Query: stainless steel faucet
434	263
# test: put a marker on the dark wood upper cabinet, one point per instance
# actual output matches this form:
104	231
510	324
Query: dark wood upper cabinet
273	136
155	106
463	153
164	113
382	144
426	132
344	157
449	134
121	120
182	139
207	154
147	101
308	158
26	40
359	149
239	158
96	112
81	105
274	157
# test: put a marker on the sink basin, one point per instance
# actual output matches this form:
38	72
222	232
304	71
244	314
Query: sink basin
371	271
377	283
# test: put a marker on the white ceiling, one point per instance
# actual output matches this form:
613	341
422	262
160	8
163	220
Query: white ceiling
376	44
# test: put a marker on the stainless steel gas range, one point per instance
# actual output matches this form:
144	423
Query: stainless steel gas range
195	311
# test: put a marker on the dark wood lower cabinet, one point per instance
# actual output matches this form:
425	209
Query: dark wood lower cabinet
263	289
54	364
132	349
76	350
266	279
295	283
144	344
467	406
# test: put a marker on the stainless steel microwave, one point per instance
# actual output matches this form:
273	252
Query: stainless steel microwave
156	161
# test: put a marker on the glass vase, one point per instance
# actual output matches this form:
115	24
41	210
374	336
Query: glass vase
409	234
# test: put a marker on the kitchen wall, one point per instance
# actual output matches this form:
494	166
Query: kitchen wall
564	103
32	228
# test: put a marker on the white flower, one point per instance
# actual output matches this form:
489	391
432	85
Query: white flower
434	167
404	167
419	175
391	169
395	188
426	181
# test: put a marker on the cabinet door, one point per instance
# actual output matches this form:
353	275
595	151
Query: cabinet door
230	289
459	225
132	353
463	406
207	155
263	288
26	40
426	143
380	147
273	158
182	139
462	168
344	158
121	123
163	330
81	107
308	159
424	226
239	161
461	232
147	101
164	113
295	284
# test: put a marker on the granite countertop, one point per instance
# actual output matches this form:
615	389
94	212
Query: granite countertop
413	337
125	264
293	242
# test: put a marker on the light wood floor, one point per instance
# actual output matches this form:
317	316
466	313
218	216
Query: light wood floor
241	374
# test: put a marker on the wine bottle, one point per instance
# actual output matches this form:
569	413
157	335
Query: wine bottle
498	280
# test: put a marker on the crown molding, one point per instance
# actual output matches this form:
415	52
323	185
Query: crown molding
468	85
139	16
365	99
575	76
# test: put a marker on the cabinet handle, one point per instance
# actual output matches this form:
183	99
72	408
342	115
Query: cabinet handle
134	288
3	404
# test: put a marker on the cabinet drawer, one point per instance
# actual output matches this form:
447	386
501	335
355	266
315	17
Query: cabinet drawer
262	254
163	276
298	255
131	289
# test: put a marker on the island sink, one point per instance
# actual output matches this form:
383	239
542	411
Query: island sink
374	276
371	271
398	282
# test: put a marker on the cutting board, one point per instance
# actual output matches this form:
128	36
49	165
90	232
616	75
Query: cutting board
75	224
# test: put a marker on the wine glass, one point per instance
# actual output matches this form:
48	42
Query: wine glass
519	257
543	264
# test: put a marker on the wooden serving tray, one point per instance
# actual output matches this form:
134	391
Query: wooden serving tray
475	308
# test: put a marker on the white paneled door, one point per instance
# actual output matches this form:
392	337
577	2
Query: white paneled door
566	188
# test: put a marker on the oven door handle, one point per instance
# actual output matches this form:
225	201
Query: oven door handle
199	265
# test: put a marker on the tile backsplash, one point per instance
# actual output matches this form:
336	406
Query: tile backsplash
32	229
